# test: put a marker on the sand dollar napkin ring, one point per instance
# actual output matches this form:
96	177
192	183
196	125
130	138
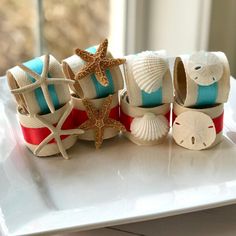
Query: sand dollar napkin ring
197	129
202	79
96	72
145	126
148	79
39	86
99	118
49	134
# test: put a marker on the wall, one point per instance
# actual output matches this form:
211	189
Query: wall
178	26
223	30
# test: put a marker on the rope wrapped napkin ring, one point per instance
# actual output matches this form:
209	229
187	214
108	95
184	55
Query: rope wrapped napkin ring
202	79
95	71
197	129
49	134
148	79
102	121
145	126
36	89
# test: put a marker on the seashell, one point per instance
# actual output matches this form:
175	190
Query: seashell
205	68
194	130
148	70
149	127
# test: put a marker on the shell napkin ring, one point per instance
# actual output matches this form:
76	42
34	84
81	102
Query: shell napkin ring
205	68
148	70
201	79
148	79
149	127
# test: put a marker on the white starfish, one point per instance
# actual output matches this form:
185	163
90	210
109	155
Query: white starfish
56	132
42	81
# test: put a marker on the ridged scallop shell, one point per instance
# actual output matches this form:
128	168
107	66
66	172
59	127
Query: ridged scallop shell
148	70
149	127
194	130
205	68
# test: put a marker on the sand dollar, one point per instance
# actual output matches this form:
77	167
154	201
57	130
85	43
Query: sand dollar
194	130
205	68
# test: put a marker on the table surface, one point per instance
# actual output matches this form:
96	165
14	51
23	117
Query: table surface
121	183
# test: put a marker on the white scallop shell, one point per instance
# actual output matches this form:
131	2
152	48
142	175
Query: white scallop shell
148	70
149	127
205	68
194	130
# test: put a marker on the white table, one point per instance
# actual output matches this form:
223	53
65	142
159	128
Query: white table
119	184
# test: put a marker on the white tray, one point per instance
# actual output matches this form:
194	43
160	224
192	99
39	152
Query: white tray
121	183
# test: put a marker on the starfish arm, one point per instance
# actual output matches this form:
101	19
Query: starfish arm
69	71
85	71
106	106
88	124
89	109
84	55
30	72
43	143
102	49
61	147
27	88
98	137
101	76
110	62
71	132
45	123
60	81
112	123
45	66
47	97
64	116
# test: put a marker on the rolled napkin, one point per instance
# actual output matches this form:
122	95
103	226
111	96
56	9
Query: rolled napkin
99	118
148	79
197	129
39	85
49	134
145	126
96	72
202	79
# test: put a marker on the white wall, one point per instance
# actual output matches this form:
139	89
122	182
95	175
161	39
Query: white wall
178	26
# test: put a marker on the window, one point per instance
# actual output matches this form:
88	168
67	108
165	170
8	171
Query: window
17	37
30	28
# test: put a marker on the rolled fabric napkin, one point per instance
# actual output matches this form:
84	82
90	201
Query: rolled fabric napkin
145	126
39	85
197	129
96	72
202	79
99	118
148	79
49	134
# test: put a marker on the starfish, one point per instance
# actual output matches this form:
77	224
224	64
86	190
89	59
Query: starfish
57	132
97	63
99	120
42	82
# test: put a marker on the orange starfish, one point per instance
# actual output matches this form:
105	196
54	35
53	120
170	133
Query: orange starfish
99	120
97	63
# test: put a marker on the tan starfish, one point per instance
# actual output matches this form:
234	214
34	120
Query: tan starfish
99	120
42	81
56	132
97	63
